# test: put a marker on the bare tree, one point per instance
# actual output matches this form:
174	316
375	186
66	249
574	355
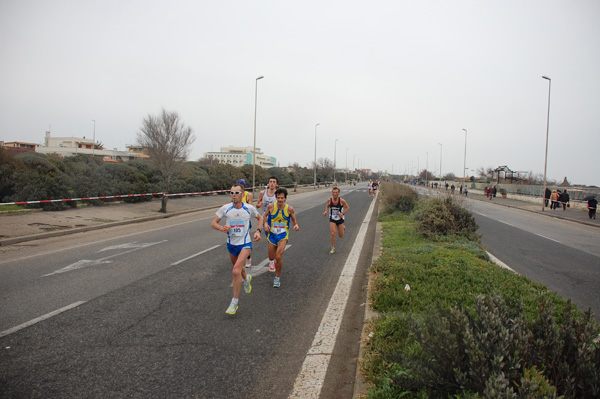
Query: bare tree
168	141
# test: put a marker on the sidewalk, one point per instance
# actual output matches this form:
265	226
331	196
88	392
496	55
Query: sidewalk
572	214
29	225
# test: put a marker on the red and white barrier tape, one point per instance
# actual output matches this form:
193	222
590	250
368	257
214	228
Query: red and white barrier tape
110	197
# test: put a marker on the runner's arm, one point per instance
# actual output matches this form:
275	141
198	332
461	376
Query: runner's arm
260	223
326	209
260	204
293	217
346	206
215	225
269	209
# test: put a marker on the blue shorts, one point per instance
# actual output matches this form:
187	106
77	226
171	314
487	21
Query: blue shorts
276	238
236	249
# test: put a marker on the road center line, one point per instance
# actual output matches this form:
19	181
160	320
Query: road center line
312	375
548	238
38	319
193	256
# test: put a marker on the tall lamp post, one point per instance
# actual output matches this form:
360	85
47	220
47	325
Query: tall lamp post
465	160
334	156
547	131
94	143
346	179
427	168
440	161
315	165
254	150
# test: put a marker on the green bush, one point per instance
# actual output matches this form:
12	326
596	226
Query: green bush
397	197
438	217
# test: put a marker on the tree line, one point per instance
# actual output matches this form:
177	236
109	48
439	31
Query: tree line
34	176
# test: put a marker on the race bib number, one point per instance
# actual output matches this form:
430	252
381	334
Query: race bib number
278	228
335	214
236	228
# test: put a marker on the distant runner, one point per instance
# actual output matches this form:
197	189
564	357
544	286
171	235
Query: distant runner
336	209
237	217
277	223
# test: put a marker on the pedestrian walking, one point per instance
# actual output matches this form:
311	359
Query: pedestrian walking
592	206
237	216
564	198
554	199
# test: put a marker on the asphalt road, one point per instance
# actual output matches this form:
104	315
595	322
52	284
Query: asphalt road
146	311
562	255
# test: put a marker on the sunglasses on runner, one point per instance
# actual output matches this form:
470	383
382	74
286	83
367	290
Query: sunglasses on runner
235	192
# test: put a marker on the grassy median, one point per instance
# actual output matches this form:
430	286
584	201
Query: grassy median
451	324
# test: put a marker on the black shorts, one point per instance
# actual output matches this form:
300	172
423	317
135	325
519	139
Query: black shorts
338	222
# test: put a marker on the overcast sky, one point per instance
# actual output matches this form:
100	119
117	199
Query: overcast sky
388	79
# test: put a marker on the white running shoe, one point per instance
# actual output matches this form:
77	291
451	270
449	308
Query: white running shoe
248	263
232	308
272	266
247	286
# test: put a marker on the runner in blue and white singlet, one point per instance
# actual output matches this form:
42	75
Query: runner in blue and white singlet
237	216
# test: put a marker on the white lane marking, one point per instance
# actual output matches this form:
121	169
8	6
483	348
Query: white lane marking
511	225
85	262
310	379
106	239
38	319
193	256
262	266
500	263
548	238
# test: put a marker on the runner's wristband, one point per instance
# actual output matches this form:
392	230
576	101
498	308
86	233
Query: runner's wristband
259	230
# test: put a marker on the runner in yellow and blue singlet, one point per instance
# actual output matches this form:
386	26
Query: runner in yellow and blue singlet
277	223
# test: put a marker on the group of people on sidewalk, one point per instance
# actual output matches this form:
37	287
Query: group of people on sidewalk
557	198
275	218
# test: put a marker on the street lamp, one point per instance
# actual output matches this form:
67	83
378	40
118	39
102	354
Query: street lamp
547	131
465	160
94	143
427	168
254	150
346	166
334	155
315	165
440	160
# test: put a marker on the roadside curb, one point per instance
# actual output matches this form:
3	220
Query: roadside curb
360	385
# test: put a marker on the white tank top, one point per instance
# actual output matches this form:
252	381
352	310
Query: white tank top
267	199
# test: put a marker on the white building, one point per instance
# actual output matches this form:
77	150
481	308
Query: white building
240	156
67	146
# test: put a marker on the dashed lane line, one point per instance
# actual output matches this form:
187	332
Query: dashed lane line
41	318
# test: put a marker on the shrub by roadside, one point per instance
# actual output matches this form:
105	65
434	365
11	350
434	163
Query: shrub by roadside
451	324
